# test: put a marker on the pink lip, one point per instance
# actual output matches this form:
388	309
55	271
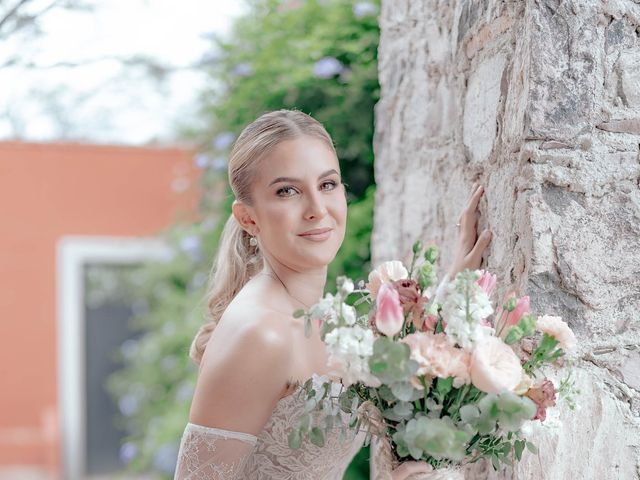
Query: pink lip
316	231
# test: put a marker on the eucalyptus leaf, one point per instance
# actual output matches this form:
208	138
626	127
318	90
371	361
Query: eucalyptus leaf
307	327
304	422
317	437
469	413
532	448
402	391
328	423
519	448
310	405
404	410
390	414
386	394
294	439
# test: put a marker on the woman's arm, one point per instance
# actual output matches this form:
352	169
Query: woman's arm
239	384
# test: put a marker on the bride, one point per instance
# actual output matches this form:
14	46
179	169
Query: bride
288	221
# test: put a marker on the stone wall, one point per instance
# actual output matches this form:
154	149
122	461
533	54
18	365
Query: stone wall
539	100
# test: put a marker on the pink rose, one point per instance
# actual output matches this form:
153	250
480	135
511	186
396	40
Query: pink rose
385	273
487	281
438	358
494	366
389	316
544	396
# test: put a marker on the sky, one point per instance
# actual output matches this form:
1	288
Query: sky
100	100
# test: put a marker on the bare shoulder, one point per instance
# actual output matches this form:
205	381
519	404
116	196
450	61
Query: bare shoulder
246	366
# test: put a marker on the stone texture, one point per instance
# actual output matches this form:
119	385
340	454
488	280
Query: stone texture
540	101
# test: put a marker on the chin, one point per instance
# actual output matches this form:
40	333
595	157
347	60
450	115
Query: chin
322	259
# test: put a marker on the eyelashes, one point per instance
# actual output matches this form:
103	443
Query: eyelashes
289	187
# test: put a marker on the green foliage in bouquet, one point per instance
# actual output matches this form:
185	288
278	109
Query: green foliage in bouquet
318	56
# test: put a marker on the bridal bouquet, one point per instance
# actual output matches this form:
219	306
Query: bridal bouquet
433	372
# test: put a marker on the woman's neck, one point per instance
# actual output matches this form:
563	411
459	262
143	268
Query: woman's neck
304	288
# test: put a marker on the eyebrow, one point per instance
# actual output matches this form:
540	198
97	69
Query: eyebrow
289	179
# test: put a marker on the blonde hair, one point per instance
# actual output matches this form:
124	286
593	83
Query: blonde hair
236	261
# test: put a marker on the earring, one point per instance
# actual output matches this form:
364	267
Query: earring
253	241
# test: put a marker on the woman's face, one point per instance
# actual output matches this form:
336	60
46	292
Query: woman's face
298	188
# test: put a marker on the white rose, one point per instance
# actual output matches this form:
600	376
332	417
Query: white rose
494	366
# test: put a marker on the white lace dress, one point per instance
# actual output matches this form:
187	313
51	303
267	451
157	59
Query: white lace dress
216	454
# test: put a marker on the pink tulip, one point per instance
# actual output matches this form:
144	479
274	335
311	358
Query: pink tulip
389	316
522	307
487	281
513	317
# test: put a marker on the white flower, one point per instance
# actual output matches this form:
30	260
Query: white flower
349	314
495	368
345	285
465	307
385	273
324	309
349	350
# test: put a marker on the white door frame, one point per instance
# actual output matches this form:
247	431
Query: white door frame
72	253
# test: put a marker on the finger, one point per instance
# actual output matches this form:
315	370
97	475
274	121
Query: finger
469	230
475	199
473	190
479	248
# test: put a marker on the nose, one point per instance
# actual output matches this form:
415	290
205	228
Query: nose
316	207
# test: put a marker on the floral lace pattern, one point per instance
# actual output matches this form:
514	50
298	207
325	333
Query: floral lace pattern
216	454
212	453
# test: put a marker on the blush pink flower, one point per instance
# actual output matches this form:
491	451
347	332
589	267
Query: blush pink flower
389	316
385	273
487	281
544	396
558	329
494	366
436	357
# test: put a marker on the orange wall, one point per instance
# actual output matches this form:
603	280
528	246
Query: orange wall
48	191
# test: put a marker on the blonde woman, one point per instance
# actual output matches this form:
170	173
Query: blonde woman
288	221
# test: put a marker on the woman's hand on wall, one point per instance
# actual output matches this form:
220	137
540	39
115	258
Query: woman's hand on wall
470	246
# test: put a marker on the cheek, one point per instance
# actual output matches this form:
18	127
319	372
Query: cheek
341	210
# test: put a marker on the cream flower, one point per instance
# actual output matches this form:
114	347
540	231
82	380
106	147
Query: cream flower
495	367
384	273
436	357
558	329
525	384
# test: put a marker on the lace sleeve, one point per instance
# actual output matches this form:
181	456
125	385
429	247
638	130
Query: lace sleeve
208	453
